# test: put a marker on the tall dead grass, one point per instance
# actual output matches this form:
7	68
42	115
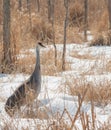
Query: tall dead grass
21	38
26	62
76	14
48	63
58	121
102	39
42	30
101	92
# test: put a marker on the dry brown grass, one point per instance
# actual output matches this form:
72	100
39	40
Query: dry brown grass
58	121
76	14
23	38
42	30
33	110
48	62
105	126
108	66
102	39
98	15
82	56
101	92
26	64
24	35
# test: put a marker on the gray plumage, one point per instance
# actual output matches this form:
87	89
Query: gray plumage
27	91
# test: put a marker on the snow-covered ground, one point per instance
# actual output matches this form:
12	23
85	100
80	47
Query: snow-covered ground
93	70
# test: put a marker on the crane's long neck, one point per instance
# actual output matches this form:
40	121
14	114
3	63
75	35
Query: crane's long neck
37	66
36	76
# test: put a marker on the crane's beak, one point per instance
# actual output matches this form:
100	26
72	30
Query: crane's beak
41	45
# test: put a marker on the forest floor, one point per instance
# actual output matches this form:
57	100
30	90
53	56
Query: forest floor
81	93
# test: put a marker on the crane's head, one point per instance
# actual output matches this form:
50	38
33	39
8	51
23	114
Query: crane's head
40	45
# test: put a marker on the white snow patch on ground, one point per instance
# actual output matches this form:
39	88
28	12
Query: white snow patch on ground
50	95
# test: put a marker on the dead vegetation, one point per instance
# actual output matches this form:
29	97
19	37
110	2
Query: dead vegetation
26	62
76	14
47	61
42	30
22	37
101	91
30	28
58	122
108	66
102	39
82	56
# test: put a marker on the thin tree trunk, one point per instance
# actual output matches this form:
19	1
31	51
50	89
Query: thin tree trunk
38	5
29	10
109	11
85	19
7	57
52	11
20	4
65	34
49	9
28	3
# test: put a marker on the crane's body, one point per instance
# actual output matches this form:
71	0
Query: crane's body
27	91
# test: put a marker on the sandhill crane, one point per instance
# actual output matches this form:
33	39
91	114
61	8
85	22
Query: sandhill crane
27	91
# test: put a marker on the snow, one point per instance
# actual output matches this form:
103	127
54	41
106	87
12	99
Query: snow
51	95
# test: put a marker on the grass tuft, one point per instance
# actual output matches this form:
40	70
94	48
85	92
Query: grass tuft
48	63
102	39
42	30
76	14
101	92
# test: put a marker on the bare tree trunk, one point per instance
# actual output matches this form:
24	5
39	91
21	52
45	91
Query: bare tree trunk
109	11
38	5
52	20
7	57
29	10
65	34
52	9
28	3
20	4
49	9
85	19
